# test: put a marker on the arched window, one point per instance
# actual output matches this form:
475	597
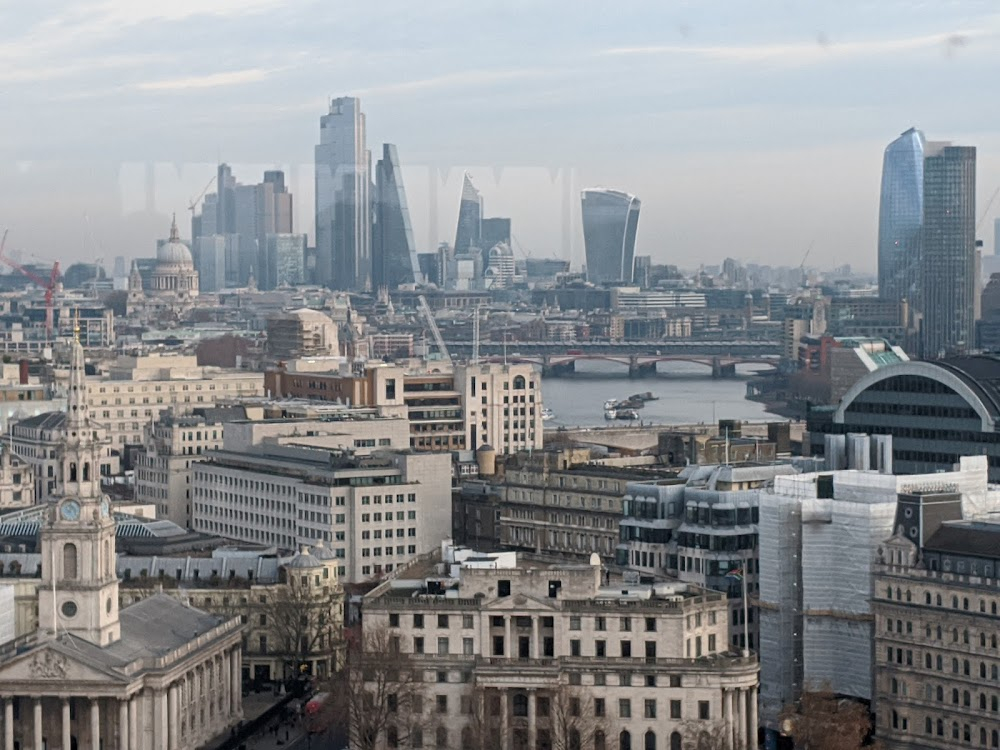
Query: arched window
519	383
468	743
600	743
928	725
937	600
86	471
574	740
625	740
940	728
927	661
927	597
675	741
940	693
69	562
649	740
72	471
441	737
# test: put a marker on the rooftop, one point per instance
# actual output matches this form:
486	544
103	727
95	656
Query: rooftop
973	538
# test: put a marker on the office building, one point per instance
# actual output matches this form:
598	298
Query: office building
948	258
819	538
394	253
540	654
468	234
610	221
301	333
375	512
935	605
901	213
282	262
935	412
495	231
500	267
210	260
503	405
343	205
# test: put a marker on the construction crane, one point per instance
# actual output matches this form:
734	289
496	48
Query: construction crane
432	324
802	265
49	286
986	211
194	201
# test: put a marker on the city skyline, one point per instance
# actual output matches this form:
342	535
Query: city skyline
716	117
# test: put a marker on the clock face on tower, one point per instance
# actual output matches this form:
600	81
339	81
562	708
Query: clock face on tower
71	510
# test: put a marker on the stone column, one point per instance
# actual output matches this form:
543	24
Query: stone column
236	685
95	724
123	725
226	683
510	652
741	719
752	705
133	723
504	721
536	637
173	721
8	724
160	720
727	718
37	735
532	718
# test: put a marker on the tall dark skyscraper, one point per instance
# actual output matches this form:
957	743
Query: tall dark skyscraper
610	221
394	255
495	230
343	203
900	217
470	217
948	249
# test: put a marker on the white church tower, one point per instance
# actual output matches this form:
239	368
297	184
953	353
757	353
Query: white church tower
79	589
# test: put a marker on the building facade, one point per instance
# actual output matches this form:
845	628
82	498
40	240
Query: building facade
283	261
343	207
469	230
948	256
901	213
503	405
528	649
375	512
610	221
394	253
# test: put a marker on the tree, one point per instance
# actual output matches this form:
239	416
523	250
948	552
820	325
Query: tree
378	693
566	720
822	721
703	735
305	620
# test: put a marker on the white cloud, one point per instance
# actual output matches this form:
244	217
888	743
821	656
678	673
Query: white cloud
807	53
209	81
465	78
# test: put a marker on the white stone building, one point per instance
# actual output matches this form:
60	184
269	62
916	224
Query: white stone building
650	664
375	512
153	675
503	406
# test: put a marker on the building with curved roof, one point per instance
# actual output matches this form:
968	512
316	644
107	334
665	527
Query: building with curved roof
610	219
935	411
174	274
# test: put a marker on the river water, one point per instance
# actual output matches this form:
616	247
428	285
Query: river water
687	395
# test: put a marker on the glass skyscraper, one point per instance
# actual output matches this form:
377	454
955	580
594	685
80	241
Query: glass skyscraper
394	254
343	204
470	217
948	250
284	261
610	221
901	212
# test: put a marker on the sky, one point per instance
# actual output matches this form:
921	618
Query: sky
747	129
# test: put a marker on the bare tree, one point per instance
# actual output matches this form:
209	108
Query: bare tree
702	735
305	621
566	713
822	721
378	693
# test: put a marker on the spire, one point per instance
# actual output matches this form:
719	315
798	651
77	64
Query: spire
174	236
77	415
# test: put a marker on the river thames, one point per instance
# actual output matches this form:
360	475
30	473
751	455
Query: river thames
687	395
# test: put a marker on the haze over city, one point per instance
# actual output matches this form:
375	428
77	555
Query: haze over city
747	132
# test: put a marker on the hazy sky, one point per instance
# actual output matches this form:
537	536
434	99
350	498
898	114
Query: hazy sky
747	128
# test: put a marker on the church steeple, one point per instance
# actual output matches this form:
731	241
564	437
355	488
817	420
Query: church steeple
174	234
79	591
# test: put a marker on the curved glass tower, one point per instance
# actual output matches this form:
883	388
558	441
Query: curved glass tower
900	217
610	220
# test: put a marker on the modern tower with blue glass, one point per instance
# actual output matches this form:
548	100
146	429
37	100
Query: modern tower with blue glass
394	255
470	217
901	212
610	221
